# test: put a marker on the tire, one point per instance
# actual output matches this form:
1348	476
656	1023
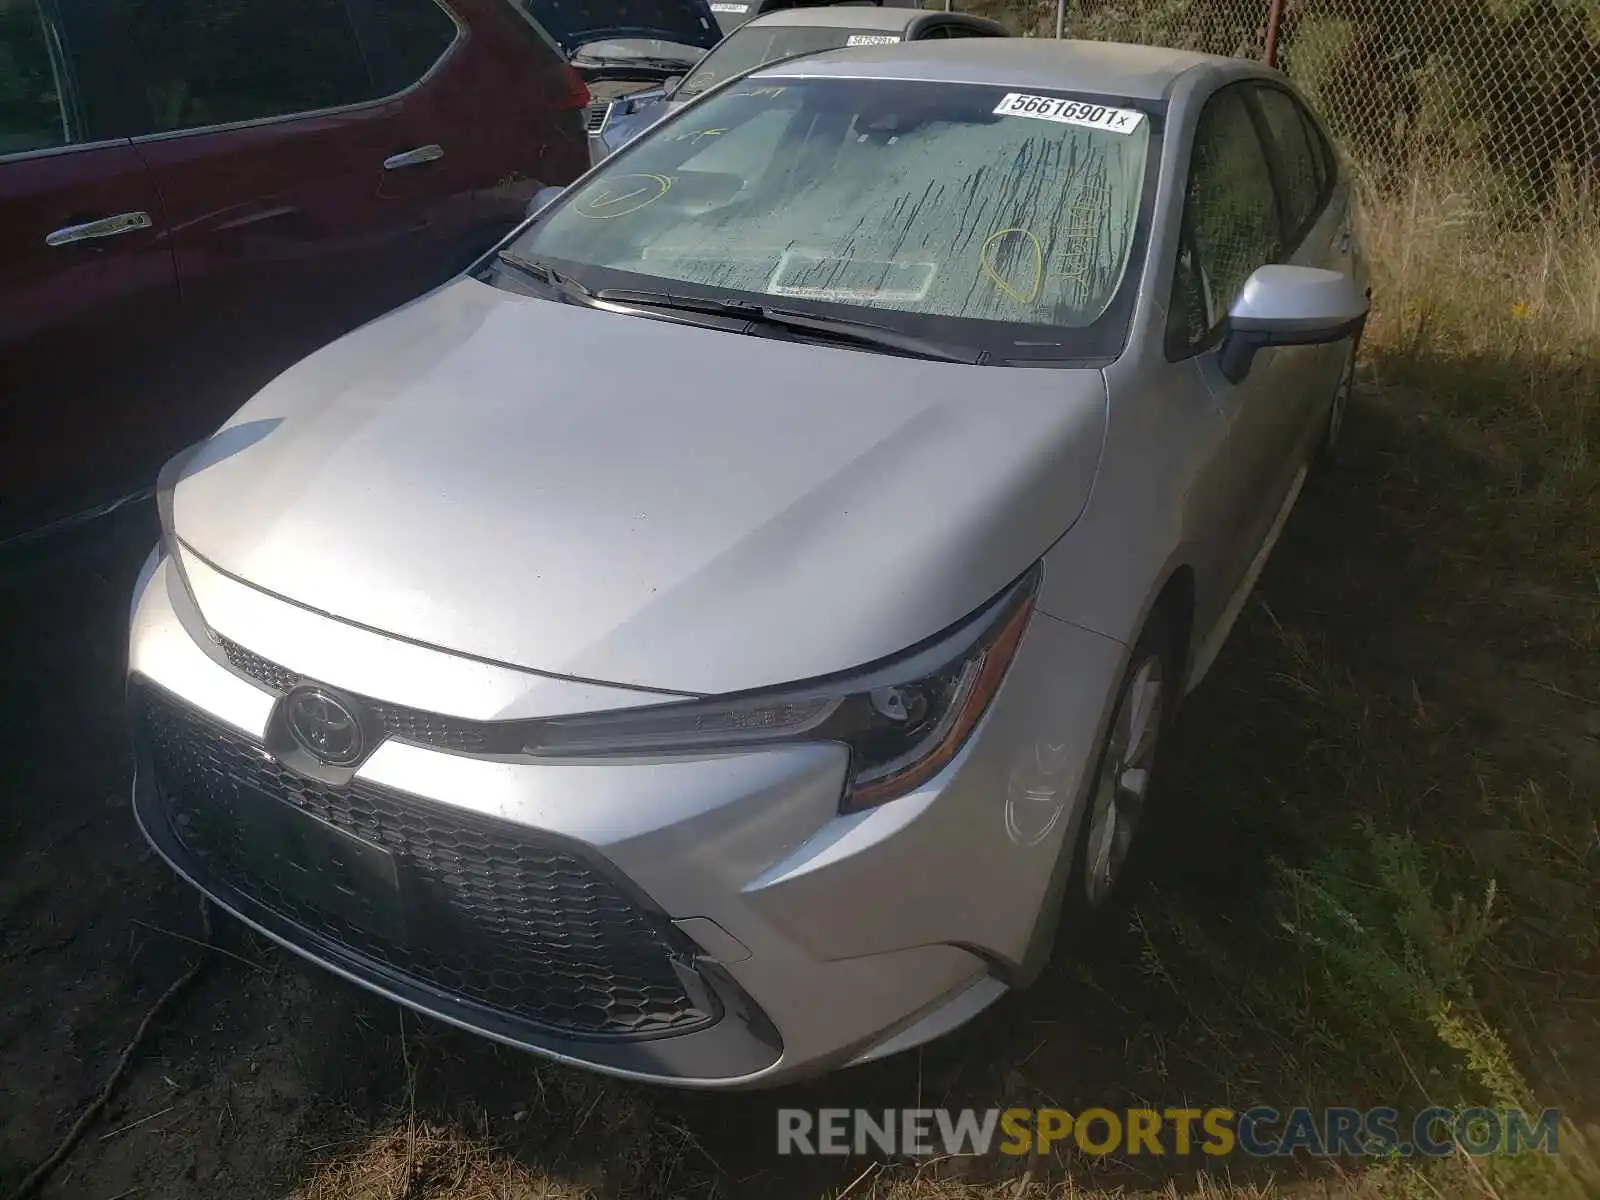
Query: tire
1119	799
1338	410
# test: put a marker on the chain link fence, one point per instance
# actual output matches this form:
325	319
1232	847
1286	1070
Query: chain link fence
1502	97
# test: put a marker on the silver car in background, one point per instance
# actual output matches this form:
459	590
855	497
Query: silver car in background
767	39
724	636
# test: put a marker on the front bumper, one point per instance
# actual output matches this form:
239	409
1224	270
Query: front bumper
748	933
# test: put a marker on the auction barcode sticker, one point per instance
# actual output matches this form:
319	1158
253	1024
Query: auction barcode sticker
1070	112
871	39
730	8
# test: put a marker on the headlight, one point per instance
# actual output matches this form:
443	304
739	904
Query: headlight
903	719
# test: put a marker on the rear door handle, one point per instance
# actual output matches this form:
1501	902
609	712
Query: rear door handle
412	158
103	228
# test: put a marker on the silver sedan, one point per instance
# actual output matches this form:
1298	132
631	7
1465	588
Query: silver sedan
725	635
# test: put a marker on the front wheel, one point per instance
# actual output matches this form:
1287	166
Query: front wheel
1120	793
1328	451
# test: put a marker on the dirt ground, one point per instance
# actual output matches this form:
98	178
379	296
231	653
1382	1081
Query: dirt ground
265	1069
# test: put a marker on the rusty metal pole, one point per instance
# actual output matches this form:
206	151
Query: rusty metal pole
1274	23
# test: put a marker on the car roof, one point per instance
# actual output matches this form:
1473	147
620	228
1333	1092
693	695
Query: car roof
1101	68
842	16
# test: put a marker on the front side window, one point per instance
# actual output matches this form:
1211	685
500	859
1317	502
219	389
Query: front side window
991	218
204	63
1297	157
33	111
1231	223
757	45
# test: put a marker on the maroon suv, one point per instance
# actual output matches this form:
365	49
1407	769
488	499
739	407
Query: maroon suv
193	193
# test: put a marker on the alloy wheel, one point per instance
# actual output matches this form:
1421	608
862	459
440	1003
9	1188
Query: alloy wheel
1341	401
1123	784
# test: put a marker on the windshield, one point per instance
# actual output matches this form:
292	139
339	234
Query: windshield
755	46
966	212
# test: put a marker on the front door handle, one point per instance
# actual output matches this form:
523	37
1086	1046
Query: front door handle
105	227
411	158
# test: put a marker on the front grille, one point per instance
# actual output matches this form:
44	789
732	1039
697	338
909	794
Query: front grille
407	724
279	679
493	914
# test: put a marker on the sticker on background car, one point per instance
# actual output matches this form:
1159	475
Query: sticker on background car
1070	112
871	39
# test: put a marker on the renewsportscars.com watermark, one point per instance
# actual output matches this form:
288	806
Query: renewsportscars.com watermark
1261	1132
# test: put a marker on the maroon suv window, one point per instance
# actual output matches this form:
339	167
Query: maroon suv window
203	63
32	113
415	35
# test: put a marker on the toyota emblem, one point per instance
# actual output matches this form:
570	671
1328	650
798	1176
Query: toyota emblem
324	726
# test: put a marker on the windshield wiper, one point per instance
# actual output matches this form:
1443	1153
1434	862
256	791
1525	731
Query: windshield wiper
569	289
665	64
865	333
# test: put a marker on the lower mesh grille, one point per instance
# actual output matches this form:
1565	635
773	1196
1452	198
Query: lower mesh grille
481	910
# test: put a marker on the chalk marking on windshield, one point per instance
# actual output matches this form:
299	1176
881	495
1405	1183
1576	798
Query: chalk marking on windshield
1070	112
655	188
762	91
1082	233
696	135
988	251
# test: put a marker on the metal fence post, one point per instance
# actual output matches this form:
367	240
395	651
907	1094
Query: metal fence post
1274	21
1061	18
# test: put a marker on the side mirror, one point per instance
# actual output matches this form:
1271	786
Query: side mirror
543	199
1290	306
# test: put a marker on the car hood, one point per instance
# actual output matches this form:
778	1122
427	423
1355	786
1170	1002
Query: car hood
636	501
574	22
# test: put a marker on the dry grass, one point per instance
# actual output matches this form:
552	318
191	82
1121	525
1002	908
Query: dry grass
418	1160
1401	754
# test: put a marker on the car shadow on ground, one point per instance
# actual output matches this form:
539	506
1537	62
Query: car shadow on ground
268	1075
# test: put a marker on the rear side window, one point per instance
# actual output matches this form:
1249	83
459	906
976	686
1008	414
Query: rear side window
33	110
409	37
206	63
1302	173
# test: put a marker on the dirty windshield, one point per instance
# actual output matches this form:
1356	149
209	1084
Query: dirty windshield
985	215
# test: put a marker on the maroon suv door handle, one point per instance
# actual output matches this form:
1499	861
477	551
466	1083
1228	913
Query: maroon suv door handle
103	228
412	158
